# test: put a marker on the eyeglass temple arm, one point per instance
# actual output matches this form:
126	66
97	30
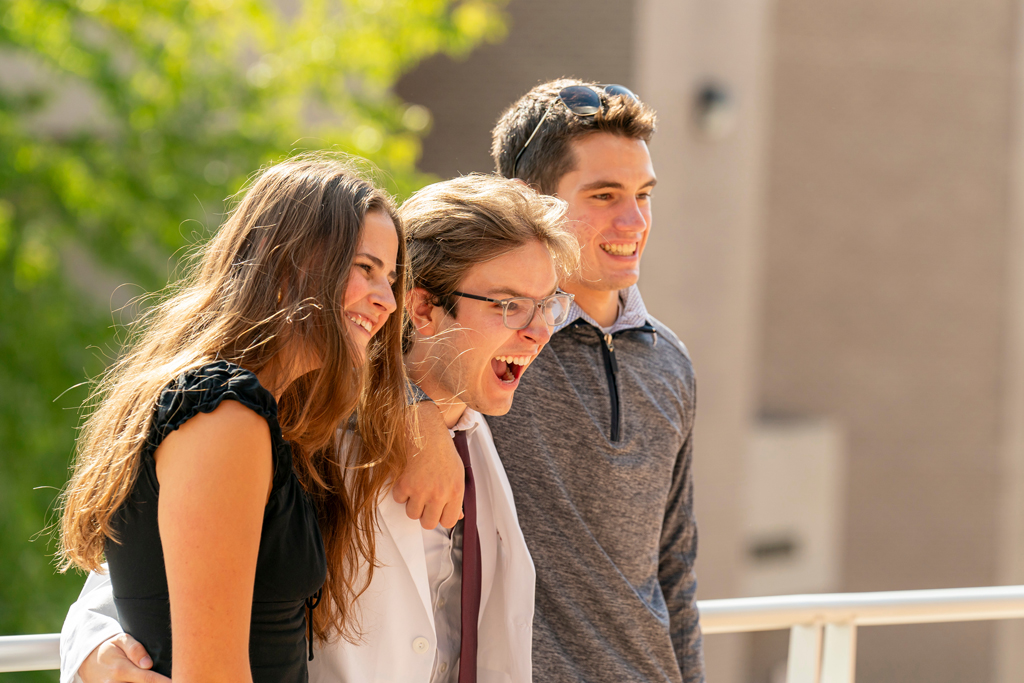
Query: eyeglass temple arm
515	164
478	298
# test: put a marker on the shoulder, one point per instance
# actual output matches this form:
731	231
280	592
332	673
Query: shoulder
666	334
668	355
663	351
232	429
230	417
230	444
203	390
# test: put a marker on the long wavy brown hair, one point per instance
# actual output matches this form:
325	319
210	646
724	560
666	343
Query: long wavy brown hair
274	274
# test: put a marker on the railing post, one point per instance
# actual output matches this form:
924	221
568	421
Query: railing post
840	653
804	663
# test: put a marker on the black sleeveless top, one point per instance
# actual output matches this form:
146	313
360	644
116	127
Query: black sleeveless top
291	565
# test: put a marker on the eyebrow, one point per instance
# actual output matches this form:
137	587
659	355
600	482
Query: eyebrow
393	275
613	185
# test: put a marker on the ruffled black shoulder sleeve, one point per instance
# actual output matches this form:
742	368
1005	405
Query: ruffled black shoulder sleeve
202	389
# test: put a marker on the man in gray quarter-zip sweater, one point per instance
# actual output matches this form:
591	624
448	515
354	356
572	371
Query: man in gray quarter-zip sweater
598	443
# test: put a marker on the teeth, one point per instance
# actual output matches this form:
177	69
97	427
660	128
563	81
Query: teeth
517	360
620	249
362	322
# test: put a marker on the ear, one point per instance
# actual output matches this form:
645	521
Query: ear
421	311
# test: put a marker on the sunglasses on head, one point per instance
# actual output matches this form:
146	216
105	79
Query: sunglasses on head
581	100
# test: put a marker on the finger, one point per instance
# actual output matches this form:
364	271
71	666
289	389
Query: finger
431	516
451	515
399	493
414	509
136	652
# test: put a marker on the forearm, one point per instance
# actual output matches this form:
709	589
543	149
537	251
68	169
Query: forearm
433	482
91	620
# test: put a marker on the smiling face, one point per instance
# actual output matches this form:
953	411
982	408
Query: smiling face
473	359
609	196
368	297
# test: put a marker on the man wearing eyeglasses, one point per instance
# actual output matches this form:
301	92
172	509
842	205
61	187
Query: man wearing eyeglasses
598	444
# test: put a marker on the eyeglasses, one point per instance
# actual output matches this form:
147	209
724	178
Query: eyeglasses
517	313
581	100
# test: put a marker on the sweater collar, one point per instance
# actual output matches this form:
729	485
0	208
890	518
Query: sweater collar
632	313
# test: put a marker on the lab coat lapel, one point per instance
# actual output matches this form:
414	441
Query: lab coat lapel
408	537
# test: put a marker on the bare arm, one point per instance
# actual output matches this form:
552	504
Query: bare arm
215	475
434	480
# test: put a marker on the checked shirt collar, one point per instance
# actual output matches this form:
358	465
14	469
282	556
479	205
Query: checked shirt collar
632	313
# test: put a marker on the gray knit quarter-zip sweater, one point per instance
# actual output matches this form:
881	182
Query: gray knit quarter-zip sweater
598	447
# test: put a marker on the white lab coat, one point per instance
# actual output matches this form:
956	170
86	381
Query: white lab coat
395	612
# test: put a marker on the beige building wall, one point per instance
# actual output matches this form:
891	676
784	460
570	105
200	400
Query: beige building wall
885	291
1009	660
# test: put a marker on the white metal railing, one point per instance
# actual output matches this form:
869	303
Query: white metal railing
30	653
823	628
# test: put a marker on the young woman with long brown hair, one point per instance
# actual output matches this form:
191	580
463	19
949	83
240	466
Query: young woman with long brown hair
207	473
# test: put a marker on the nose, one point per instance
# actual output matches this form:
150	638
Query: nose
632	217
382	298
537	331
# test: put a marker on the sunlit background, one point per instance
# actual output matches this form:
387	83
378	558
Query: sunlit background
838	238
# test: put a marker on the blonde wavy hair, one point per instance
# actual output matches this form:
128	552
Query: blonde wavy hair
275	273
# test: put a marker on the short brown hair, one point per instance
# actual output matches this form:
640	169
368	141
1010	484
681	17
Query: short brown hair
453	225
549	156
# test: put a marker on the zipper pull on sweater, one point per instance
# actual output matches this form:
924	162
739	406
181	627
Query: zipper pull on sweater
609	343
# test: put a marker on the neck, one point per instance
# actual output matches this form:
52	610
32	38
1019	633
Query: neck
418	367
602	306
286	367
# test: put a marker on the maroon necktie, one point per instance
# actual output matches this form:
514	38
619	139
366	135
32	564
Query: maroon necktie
471	571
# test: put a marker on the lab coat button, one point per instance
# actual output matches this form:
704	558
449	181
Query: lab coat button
420	645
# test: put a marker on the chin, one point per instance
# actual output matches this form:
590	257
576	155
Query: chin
494	408
617	281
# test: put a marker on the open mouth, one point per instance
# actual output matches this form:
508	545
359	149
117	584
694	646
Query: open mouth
509	368
620	249
361	321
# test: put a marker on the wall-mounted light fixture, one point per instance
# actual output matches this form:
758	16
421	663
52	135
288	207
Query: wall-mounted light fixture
714	111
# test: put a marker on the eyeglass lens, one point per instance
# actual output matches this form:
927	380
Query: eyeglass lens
583	100
580	100
620	90
519	312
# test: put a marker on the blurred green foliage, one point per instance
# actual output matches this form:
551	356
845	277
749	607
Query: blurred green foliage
123	126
